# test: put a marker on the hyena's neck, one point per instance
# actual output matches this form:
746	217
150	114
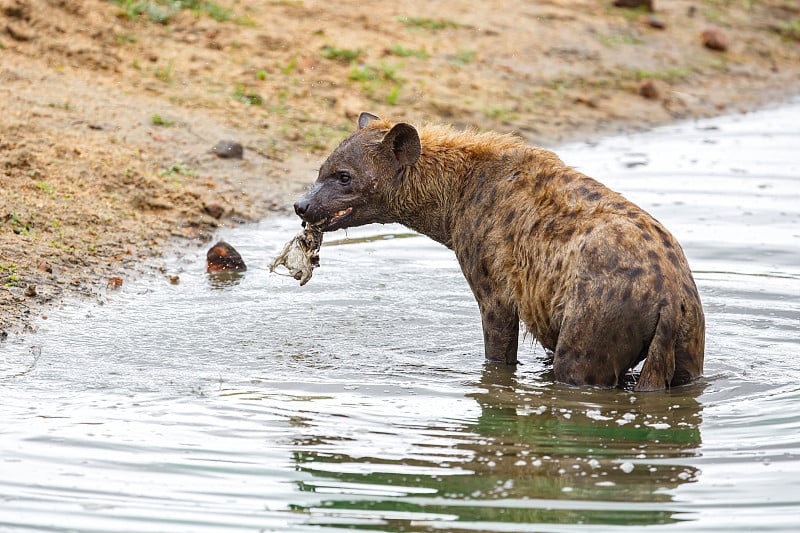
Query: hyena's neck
425	194
444	182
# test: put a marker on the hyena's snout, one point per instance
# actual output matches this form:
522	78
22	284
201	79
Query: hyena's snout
301	207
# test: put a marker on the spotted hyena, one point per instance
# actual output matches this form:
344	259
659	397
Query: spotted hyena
600	283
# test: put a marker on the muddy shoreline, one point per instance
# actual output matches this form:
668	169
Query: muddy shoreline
107	130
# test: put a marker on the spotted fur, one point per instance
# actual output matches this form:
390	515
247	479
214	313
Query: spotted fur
596	280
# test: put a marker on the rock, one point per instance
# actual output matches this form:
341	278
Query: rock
45	267
648	89
655	22
214	210
222	257
114	282
714	39
634	4
228	150
30	291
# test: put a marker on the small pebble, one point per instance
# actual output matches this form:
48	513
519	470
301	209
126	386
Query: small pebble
714	38
648	89
656	23
228	150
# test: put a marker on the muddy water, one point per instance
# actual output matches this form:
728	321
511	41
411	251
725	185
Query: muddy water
362	401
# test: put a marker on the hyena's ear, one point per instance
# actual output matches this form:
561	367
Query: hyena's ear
365	118
403	141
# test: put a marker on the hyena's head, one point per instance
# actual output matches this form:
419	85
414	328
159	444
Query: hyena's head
355	182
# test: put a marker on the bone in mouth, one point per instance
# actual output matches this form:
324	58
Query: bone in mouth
300	256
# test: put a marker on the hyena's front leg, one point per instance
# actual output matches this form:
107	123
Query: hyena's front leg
500	331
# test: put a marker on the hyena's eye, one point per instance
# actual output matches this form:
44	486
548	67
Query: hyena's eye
344	178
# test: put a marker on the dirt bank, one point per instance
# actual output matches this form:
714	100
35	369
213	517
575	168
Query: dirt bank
109	110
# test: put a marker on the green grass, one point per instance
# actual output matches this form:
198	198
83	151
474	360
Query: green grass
619	39
152	11
176	168
45	188
60	244
158	120
372	73
429	24
712	14
66	106
401	51
318	138
163	11
632	13
126	38
212	9
394	93
247	96
791	29
9	270
501	113
17	225
670	74
289	67
345	55
164	73
464	57
380	80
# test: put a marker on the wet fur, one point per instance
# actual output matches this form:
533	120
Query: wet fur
596	280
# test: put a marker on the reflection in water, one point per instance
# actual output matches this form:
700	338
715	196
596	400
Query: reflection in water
224	278
528	448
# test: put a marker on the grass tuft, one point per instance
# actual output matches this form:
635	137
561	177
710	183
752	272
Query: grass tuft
401	51
429	24
345	55
163	11
158	120
247	96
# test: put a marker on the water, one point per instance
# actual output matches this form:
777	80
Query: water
361	401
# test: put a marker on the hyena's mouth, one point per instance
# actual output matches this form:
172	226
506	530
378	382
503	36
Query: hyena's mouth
337	216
